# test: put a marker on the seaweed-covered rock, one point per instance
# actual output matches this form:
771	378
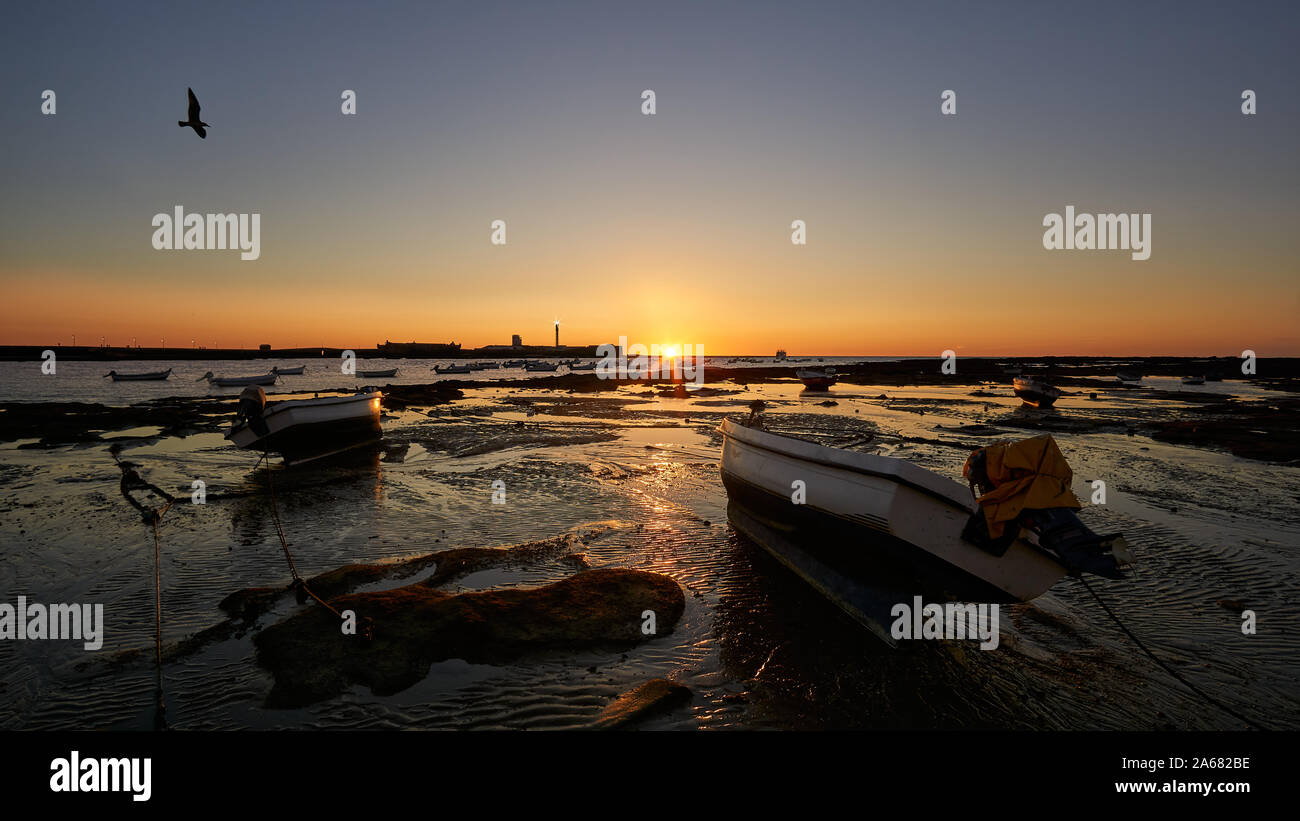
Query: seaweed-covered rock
411	627
652	698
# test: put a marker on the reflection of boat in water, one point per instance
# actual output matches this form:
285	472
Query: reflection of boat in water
238	381
1193	380
816	379
377	374
152	376
288	371
1128	376
301	430
1035	392
872	530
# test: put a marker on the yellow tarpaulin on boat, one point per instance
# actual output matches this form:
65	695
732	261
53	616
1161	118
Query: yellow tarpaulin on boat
1030	474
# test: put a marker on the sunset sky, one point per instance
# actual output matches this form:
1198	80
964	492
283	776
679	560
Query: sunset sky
924	231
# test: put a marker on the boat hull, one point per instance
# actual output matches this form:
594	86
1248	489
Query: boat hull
1034	393
377	374
302	430
242	381
871	530
156	376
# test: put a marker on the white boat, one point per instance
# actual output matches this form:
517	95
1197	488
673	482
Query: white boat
288	371
451	369
816	379
873	531
1035	392
541	367
152	376
301	430
590	366
1128	376
238	381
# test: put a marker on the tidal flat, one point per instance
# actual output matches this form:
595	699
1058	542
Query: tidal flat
623	481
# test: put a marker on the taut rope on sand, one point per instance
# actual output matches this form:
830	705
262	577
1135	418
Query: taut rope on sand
298	581
131	480
1171	671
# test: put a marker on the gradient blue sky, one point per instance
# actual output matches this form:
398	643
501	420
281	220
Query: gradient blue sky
924	231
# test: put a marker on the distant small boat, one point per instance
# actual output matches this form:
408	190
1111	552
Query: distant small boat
590	366
1035	392
1128	376
780	355
288	371
1193	380
377	374
451	369
301	430
541	367
815	379
238	381
152	376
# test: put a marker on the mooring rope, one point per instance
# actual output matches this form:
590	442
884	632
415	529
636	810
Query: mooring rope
1171	671
298	581
132	480
160	713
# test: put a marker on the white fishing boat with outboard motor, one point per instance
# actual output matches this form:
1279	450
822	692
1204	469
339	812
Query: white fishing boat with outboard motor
870	529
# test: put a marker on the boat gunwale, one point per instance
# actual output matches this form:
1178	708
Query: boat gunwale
951	501
290	404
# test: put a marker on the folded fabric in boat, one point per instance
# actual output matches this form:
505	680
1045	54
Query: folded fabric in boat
1031	474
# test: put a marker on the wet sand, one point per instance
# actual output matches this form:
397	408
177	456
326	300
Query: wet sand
626	478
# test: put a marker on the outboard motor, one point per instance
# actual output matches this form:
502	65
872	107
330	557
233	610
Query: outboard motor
252	403
1058	529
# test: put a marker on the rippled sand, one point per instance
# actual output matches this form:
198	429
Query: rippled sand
637	475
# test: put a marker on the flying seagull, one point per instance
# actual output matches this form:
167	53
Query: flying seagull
194	122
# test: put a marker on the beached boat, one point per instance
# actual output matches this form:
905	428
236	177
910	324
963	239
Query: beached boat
377	374
873	530
451	369
238	381
1128	376
1035	392
1193	380
816	379
288	371
301	430
152	376
590	366
541	367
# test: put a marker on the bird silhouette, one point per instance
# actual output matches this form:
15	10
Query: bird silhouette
194	122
